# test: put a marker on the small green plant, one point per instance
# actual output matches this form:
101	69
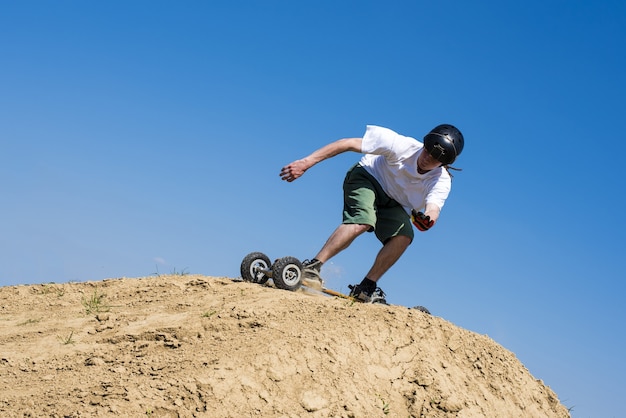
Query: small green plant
48	288
95	303
30	321
208	314
183	272
385	405
66	340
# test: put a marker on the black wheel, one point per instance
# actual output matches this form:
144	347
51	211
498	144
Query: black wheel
287	273
423	309
254	267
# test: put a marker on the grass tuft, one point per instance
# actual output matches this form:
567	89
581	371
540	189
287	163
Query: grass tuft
95	303
67	340
208	314
29	321
183	272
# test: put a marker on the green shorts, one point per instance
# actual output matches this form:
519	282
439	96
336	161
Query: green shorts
366	203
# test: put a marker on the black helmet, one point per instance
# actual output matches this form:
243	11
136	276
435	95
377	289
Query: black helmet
445	143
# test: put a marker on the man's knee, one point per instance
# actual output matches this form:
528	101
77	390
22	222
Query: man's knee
400	240
357	229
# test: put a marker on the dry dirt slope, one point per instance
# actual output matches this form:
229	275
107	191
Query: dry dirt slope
184	346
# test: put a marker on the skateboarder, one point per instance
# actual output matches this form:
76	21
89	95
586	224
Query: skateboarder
397	182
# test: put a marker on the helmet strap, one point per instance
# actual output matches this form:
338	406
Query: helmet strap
449	167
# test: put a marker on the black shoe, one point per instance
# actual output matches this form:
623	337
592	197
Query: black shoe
377	296
311	274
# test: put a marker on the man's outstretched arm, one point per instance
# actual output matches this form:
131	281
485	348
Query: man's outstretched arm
296	169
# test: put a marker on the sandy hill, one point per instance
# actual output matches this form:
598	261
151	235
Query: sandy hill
197	346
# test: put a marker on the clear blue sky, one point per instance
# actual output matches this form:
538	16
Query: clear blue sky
145	136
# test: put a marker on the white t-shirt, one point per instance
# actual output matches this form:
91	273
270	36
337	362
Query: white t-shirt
392	159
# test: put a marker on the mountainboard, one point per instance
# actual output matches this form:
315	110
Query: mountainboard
286	273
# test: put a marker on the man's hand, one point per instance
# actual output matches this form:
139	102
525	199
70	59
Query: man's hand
294	170
421	221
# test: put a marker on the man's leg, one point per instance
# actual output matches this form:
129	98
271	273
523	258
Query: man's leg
388	255
340	239
367	290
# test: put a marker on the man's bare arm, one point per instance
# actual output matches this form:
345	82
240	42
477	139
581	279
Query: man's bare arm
296	169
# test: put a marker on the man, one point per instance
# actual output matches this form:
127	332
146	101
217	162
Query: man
397	182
